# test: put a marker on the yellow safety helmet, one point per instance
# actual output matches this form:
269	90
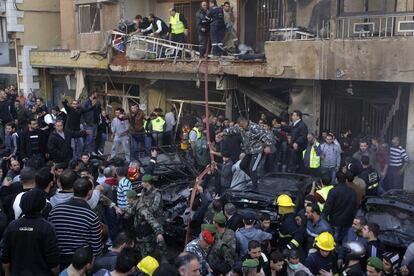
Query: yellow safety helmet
148	265
325	241
285	201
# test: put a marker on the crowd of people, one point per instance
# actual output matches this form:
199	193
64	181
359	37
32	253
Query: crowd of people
216	27
63	214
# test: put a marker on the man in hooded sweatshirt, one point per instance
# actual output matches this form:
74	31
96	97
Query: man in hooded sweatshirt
249	233
30	245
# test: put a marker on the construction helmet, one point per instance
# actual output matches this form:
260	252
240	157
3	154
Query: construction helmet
325	241
148	265
355	250
284	201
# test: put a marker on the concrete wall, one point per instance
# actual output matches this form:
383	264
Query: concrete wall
409	174
368	60
73	40
306	97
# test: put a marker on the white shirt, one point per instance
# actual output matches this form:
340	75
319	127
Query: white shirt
170	121
295	123
159	27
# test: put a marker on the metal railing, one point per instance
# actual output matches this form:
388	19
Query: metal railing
321	31
375	26
161	49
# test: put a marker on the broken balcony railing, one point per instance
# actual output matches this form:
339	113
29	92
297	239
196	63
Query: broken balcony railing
147	47
375	26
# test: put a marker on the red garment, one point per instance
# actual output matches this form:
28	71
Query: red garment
111	181
382	155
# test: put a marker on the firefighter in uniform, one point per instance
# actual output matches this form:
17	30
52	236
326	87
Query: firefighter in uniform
291	235
158	127
324	257
178	26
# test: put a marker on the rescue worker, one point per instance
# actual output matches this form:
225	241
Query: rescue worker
158	127
312	156
157	26
321	195
291	235
354	252
203	28
223	252
370	176
324	260
147	213
195	135
217	27
178	27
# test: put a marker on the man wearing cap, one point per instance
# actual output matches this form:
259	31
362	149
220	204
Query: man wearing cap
249	233
249	266
375	267
223	252
199	247
147	214
29	243
391	261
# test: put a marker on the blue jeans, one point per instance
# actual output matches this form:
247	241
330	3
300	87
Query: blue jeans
90	139
148	144
339	233
394	178
137	140
331	172
77	147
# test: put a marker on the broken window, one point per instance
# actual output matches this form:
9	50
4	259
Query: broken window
348	7
89	18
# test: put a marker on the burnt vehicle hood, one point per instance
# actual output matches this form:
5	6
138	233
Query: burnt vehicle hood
394	213
262	198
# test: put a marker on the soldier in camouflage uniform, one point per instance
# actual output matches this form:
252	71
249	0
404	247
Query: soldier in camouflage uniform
256	142
147	213
223	252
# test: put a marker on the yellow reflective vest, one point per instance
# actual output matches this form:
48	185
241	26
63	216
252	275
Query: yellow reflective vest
314	159
198	132
177	26
324	192
158	124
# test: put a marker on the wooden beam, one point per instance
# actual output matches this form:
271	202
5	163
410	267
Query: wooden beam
270	103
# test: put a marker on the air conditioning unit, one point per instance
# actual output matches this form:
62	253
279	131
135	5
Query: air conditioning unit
406	26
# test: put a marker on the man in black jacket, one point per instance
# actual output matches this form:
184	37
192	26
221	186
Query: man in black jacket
7	112
90	118
73	121
340	207
299	132
59	143
30	245
33	143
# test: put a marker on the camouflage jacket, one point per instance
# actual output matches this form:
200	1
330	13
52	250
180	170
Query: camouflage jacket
255	138
223	252
196	249
147	210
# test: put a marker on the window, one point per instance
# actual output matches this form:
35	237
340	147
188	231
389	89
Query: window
89	18
349	7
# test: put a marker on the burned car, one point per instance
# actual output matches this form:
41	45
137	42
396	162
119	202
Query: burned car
262	198
394	213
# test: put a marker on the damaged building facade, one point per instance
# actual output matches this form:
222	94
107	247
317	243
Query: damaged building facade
346	64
